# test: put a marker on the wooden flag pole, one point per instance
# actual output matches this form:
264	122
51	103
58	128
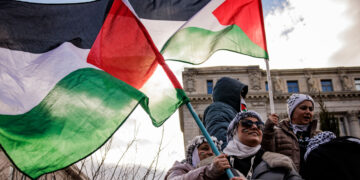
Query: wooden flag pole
207	136
270	89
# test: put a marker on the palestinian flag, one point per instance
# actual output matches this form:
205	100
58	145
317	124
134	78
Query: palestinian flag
243	106
162	18
59	100
233	25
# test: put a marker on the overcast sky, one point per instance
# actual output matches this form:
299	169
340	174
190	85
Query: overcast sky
300	34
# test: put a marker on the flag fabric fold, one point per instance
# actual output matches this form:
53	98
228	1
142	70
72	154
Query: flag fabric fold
59	100
233	25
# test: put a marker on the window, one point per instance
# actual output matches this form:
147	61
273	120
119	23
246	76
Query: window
357	84
266	86
326	85
293	86
209	84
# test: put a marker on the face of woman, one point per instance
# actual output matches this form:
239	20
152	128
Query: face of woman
250	136
204	151
303	113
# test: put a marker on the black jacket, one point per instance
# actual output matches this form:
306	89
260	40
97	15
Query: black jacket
337	159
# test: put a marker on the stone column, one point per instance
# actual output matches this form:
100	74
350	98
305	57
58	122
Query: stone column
354	123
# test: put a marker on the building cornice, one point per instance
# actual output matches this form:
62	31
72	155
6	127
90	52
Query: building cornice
205	98
245	69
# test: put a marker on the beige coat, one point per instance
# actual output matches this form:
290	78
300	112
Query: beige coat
281	139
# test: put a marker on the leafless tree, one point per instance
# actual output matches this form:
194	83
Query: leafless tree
96	169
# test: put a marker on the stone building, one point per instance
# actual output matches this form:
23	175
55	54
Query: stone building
339	88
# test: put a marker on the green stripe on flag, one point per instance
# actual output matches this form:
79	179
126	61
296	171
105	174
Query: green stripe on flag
161	110
78	116
195	45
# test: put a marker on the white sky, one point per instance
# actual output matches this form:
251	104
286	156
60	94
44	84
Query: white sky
300	34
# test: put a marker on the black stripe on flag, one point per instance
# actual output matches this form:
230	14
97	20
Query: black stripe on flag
38	28
175	10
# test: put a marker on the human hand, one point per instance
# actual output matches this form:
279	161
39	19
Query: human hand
274	118
221	163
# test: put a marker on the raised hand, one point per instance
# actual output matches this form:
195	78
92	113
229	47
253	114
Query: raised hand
274	118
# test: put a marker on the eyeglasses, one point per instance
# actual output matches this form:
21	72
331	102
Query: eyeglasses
306	107
249	123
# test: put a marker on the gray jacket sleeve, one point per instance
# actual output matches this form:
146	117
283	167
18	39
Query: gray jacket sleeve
276	166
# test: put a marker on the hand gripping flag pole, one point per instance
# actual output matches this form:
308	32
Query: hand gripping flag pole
207	136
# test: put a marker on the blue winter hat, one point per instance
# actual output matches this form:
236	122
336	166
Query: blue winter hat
232	129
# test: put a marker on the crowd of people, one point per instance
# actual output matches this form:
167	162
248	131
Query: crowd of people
287	149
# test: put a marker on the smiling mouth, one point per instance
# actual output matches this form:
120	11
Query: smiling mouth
253	133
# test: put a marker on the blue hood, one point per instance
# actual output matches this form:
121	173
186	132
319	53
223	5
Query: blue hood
228	90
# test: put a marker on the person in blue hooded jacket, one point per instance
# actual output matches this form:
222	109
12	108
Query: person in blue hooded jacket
226	104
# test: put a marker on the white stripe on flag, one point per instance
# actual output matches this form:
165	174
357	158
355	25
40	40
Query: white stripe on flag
161	30
26	78
205	19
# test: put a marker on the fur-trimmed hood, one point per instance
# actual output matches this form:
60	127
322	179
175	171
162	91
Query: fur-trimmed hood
195	143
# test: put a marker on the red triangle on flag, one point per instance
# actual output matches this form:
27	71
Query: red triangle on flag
247	14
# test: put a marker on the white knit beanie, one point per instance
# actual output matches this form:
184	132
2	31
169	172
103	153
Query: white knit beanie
296	99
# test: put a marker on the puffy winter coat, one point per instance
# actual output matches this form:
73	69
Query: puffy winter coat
217	118
266	165
281	139
275	167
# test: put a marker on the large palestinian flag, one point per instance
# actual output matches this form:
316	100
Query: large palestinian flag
233	25
59	100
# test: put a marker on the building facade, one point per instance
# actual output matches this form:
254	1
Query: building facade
338	88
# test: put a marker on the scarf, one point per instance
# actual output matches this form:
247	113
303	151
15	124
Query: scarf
317	140
240	150
299	128
195	157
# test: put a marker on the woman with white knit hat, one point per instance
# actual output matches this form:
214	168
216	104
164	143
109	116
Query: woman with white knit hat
291	136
